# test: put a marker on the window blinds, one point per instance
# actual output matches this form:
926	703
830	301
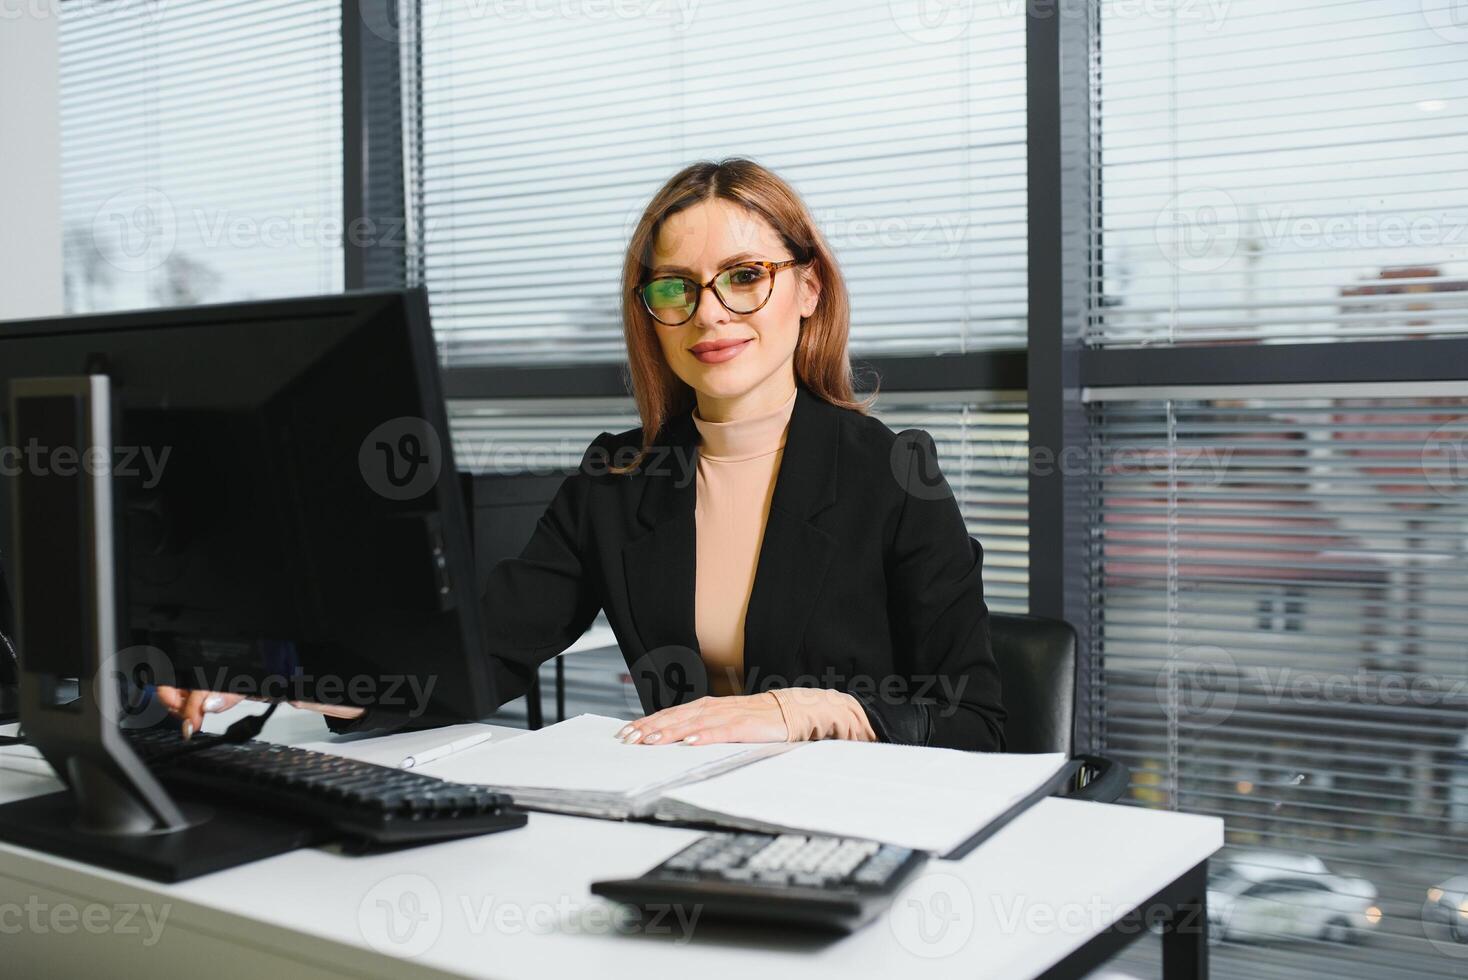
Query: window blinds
1280	628
982	448
1277	574
1281	172
905	135
201	151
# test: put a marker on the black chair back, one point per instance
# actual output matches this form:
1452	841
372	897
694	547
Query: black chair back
1037	676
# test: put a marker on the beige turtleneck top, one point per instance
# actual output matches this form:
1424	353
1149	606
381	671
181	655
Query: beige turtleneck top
738	463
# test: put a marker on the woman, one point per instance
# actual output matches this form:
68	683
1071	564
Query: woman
770	546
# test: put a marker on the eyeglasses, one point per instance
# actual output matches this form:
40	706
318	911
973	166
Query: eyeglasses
742	288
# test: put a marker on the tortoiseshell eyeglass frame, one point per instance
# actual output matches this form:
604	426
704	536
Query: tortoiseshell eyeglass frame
770	267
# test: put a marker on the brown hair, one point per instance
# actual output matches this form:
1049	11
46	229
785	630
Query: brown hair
821	362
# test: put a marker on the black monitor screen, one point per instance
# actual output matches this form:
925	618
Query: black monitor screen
51	497
289	518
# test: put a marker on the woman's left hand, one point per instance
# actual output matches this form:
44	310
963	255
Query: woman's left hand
741	718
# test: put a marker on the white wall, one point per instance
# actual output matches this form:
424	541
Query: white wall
30	163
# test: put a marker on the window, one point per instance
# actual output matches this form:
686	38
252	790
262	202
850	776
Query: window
201	152
1282	627
1282	172
908	143
1276	574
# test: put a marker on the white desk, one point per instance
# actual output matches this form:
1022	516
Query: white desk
1043	895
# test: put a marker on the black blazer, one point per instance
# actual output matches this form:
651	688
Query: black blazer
867	579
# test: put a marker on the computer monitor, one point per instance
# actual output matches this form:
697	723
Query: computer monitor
256	497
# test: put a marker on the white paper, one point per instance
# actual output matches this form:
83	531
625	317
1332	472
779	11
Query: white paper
581	755
925	798
25	759
391	750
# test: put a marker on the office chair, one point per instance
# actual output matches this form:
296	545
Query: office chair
1037	674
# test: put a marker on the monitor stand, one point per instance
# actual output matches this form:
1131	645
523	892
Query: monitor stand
211	839
113	811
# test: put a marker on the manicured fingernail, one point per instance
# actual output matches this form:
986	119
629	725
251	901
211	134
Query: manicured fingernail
213	702
188	730
631	739
690	740
654	736
624	731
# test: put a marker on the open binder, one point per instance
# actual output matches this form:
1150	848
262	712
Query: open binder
943	801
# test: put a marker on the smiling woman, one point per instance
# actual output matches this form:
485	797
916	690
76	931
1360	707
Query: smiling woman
732	229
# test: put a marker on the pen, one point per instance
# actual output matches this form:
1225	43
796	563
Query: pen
449	748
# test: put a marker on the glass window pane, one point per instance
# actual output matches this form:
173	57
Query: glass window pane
1280	643
201	152
1281	172
905	135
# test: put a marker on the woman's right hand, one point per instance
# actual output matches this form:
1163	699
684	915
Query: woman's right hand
191	706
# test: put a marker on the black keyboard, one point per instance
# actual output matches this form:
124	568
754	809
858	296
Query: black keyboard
832	883
359	800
